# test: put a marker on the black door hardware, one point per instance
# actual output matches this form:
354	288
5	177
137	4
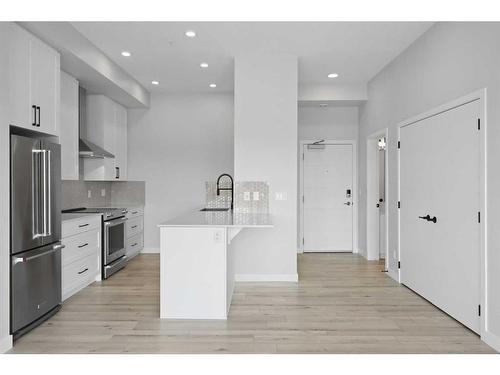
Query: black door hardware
34	115
429	218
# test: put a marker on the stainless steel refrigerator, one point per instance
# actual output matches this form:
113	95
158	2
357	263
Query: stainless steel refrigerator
35	214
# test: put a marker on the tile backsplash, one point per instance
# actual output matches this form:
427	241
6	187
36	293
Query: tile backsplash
249	196
76	193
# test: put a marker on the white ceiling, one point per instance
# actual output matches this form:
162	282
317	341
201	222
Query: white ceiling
160	51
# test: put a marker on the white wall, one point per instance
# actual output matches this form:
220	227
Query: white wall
265	149
5	339
175	146
448	61
339	123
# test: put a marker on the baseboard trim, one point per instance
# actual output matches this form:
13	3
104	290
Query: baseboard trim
5	344
294	277
492	340
150	250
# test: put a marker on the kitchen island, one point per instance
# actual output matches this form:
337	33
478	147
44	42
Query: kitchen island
197	262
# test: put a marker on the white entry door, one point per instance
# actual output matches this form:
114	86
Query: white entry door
439	177
327	200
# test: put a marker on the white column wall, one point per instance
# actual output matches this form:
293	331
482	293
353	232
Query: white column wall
265	149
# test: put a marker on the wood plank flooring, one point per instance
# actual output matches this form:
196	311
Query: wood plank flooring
342	304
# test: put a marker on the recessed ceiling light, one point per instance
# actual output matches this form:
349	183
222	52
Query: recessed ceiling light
213	85
155	82
333	75
126	53
203	65
190	34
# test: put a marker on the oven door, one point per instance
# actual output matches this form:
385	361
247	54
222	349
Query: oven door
114	240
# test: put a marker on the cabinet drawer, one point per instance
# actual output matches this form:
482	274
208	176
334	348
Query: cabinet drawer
134	226
134	212
80	225
135	244
80	246
78	275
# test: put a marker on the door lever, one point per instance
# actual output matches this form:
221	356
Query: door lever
428	218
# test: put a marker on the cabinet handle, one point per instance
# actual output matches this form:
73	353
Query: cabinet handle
133	212
39	111
85	244
133	226
85	270
34	115
83	225
134	245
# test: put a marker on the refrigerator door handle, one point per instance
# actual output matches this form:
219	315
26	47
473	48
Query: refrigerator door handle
49	193
35	190
27	259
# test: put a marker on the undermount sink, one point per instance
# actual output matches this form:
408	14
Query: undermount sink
217	209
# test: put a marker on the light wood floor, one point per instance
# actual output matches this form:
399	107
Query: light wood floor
342	304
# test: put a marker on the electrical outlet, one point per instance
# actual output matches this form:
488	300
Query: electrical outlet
103	192
256	196
246	196
218	236
89	193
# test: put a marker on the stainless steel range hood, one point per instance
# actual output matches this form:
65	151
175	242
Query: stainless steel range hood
87	149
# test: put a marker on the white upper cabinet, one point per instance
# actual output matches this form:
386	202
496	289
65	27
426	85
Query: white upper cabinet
107	128
34	83
69	135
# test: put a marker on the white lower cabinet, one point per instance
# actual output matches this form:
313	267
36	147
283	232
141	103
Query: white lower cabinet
134	231
81	257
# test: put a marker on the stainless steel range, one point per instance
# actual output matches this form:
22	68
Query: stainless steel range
113	237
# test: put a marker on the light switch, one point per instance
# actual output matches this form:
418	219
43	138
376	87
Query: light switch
256	196
281	196
246	196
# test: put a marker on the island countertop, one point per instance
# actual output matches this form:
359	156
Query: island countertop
224	219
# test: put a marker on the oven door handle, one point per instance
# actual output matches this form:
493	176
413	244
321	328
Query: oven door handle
114	222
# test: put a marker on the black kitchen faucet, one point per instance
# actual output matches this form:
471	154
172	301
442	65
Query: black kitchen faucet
231	188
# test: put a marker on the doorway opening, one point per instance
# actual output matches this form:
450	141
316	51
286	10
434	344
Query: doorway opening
376	205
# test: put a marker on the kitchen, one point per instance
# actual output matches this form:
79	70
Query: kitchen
158	210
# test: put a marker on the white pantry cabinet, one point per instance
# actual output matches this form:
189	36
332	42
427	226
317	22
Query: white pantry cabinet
107	128
69	135
34	83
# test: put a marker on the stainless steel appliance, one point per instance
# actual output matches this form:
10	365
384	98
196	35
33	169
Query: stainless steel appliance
35	212
113	237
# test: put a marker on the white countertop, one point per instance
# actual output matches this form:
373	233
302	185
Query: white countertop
224	219
75	215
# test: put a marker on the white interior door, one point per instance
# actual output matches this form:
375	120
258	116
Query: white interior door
439	176
328	203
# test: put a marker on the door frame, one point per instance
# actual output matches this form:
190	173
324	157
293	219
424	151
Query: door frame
372	241
353	143
481	96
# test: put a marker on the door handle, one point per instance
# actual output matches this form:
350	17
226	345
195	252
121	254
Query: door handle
27	259
34	115
429	218
347	203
